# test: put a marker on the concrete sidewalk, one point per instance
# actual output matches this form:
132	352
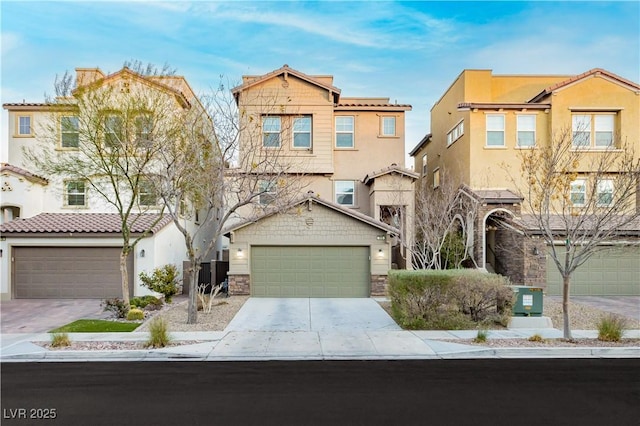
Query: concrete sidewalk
310	345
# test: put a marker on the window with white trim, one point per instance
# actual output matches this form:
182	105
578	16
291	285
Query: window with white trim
69	132
436	178
578	194
495	129
526	130
267	190
113	131
344	131
143	124
388	126
424	164
455	133
75	193
345	192
302	132
604	193
147	196
592	130
23	123
271	127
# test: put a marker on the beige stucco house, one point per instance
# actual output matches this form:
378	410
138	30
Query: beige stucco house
484	121
338	236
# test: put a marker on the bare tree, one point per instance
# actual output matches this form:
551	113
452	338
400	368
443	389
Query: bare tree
220	171
580	197
442	214
105	138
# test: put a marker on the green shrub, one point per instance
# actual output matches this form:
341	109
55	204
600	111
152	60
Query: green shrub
60	339
135	315
158	333
481	337
163	280
144	301
116	306
536	338
449	299
611	328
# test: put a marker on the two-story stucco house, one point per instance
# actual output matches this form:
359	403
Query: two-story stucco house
60	238
483	121
338	238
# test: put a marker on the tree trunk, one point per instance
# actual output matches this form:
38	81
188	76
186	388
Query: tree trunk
565	307
125	277
192	310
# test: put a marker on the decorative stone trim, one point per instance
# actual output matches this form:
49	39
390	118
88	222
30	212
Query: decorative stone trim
378	285
239	285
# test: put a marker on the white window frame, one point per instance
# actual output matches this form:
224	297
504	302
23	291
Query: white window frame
69	192
604	187
143	124
388	126
268	192
116	134
436	178
146	194
455	133
424	165
274	132
524	128
342	131
340	191
578	188
22	127
493	128
588	126
297	131
72	130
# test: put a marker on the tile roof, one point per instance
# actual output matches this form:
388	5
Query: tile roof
6	167
101	223
592	72
496	196
394	168
620	226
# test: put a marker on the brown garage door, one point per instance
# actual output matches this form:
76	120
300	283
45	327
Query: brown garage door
68	272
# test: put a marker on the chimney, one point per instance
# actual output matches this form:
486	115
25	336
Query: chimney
85	76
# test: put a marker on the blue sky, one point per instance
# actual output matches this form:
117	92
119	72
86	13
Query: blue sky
408	51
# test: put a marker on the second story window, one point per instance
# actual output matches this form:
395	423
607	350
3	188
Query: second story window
271	127
69	132
23	125
388	126
143	125
455	133
302	132
495	130
436	178
267	192
75	193
592	130
526	131
344	192
344	132
578	194
113	131
424	164
146	194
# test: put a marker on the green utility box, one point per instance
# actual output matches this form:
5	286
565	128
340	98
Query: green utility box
528	301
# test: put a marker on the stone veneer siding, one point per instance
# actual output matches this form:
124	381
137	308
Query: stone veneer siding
378	285
239	285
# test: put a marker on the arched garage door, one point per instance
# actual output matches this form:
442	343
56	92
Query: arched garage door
315	271
68	272
612	272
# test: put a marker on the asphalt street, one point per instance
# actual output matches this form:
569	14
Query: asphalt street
440	392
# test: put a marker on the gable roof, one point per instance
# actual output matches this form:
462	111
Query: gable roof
394	168
595	72
494	196
286	71
311	197
6	167
83	223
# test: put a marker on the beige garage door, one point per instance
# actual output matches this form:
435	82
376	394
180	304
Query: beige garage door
288	271
613	272
68	272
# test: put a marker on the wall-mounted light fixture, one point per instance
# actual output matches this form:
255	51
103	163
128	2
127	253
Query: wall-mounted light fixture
142	253
239	253
380	253
381	237
535	251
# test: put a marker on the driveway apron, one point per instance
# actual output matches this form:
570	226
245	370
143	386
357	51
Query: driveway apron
41	315
311	314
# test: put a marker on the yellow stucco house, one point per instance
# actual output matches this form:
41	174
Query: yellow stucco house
483	121
338	236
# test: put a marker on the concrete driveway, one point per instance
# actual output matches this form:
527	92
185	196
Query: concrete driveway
310	314
628	306
42	315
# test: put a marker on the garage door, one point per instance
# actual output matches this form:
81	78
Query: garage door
286	271
68	272
614	272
